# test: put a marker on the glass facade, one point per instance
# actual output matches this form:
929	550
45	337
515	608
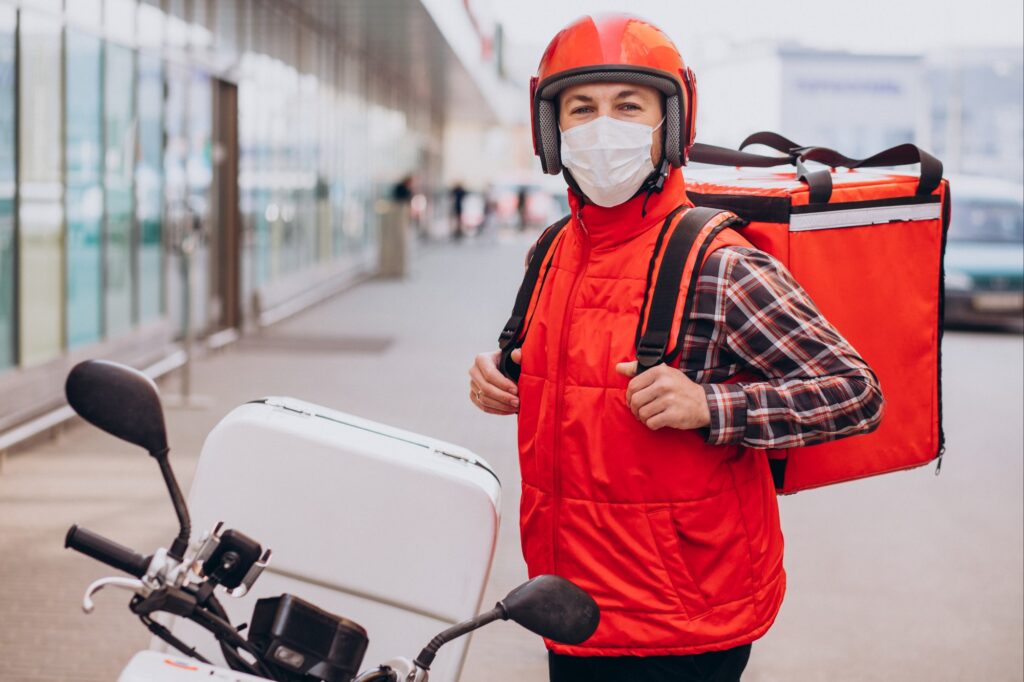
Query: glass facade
40	190
109	154
8	144
175	164
149	187
198	183
314	162
83	178
119	157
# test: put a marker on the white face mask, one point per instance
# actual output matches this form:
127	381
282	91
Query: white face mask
608	158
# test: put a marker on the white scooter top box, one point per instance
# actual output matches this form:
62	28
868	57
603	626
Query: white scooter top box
391	529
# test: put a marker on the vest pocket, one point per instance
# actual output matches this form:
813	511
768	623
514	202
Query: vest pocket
671	553
713	537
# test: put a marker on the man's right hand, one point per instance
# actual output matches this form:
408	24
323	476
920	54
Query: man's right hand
489	389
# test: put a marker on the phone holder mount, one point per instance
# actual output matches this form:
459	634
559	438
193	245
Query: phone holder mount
231	559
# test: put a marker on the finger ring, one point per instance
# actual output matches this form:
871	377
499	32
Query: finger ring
478	392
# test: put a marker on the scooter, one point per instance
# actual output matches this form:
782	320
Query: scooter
287	639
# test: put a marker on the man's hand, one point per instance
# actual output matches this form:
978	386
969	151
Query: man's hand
664	396
489	389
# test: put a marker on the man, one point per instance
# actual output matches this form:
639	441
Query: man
644	489
458	199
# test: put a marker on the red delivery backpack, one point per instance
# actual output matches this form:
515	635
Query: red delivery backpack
868	248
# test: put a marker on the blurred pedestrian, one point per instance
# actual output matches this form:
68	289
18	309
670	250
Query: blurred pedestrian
490	209
636	486
404	196
402	191
458	198
521	207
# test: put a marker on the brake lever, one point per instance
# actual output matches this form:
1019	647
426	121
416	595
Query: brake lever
169	599
132	584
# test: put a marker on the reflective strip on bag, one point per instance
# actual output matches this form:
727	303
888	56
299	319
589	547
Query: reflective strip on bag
875	215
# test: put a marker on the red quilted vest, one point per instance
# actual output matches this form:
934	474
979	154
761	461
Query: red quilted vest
677	540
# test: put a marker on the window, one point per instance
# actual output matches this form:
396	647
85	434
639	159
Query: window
7	175
119	18
83	153
41	192
987	220
149	186
119	159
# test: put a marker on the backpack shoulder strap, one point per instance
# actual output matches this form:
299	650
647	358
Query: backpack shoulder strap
689	234
514	331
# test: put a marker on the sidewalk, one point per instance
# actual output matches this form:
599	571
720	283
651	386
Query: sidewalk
391	351
901	577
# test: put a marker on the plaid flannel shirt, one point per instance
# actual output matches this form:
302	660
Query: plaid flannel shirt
750	314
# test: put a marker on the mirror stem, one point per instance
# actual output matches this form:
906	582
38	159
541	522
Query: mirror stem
180	544
426	656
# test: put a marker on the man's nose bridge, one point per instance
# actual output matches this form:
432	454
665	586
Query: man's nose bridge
606	107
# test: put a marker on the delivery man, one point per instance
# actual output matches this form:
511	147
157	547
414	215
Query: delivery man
644	489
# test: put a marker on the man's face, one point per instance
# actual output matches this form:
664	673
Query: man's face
580	104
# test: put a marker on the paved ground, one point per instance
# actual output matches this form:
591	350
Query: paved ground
905	577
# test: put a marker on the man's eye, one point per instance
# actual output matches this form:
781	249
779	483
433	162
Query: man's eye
630	107
581	110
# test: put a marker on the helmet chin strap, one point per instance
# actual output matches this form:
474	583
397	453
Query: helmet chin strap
655	182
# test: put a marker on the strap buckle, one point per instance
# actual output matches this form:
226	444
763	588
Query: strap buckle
650	352
795	153
510	332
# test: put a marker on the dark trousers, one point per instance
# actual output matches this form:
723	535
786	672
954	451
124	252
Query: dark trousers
713	666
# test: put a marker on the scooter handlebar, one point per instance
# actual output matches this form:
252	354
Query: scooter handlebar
109	552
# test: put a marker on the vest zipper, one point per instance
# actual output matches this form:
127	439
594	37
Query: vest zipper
560	391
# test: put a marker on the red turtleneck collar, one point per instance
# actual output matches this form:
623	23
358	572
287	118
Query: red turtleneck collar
608	227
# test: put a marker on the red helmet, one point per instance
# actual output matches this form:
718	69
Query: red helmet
612	48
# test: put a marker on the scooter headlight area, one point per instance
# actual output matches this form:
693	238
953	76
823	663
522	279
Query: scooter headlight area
307	640
287	637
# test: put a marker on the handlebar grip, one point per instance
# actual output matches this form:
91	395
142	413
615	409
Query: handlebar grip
109	552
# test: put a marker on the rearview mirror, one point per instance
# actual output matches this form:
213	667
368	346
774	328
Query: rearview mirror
548	606
125	403
553	607
122	401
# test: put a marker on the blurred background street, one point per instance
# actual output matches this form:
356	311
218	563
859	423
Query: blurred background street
331	200
907	576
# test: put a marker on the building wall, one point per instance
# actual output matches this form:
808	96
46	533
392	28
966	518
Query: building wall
738	95
977	111
965	106
858	104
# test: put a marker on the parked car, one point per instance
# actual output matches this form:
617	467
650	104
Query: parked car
985	253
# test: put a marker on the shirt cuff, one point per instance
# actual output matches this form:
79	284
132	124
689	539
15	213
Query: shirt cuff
727	404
